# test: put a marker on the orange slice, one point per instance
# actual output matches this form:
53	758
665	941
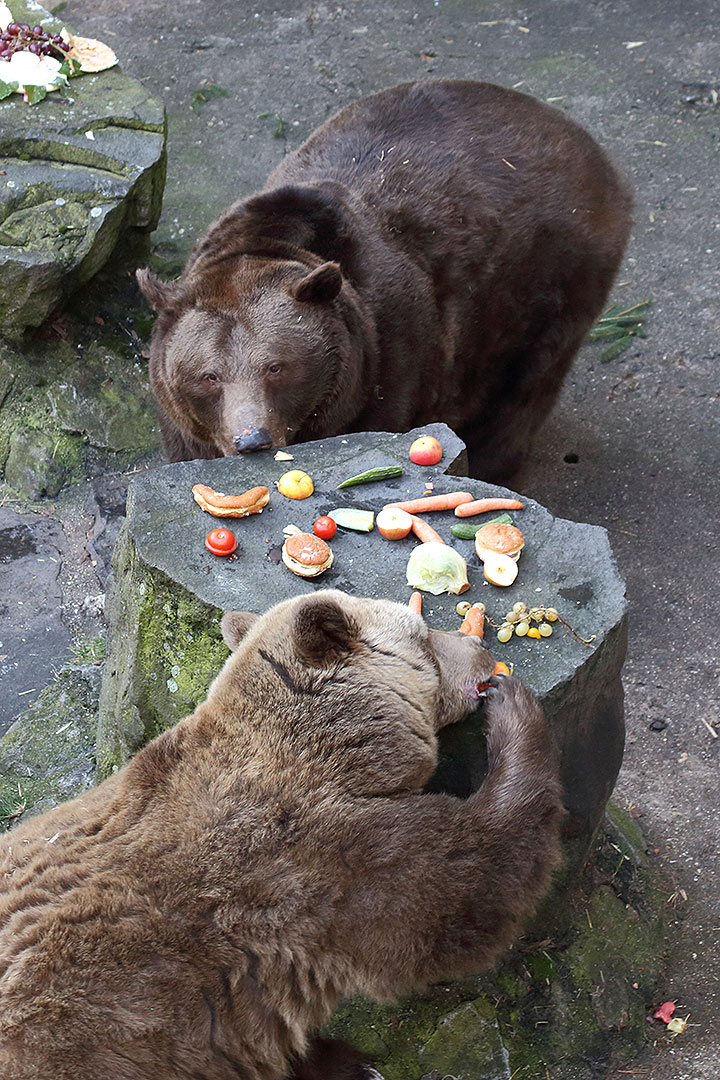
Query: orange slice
92	55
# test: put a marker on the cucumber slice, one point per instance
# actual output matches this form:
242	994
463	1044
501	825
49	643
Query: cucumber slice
348	517
465	530
384	472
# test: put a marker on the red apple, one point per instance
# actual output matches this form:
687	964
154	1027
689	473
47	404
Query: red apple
393	523
426	451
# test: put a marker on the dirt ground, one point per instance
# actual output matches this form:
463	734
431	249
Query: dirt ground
633	442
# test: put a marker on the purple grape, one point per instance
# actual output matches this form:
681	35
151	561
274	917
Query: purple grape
13	28
34	48
38	30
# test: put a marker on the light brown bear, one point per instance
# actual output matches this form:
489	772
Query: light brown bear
199	915
437	251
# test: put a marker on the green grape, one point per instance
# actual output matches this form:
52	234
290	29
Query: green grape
522	628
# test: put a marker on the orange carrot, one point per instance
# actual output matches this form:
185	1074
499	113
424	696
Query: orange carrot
424	532
499	669
432	502
415	603
479	506
473	623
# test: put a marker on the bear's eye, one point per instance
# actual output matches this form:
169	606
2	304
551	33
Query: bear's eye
211	377
274	369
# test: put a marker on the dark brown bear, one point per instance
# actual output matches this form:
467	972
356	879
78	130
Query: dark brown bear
200	914
438	251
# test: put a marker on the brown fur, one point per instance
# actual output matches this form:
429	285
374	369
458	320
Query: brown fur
438	251
200	914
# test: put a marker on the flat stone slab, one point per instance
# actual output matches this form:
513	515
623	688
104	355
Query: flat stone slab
79	168
167	593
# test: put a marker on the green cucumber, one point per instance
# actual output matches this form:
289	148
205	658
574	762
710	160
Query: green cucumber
465	530
348	517
384	472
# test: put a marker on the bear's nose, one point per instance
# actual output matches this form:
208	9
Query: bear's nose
252	439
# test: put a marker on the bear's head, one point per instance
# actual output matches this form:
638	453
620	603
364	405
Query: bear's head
253	342
331	689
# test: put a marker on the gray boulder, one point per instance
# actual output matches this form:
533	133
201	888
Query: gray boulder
79	169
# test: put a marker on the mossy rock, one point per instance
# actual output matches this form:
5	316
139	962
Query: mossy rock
68	412
48	755
573	1009
80	169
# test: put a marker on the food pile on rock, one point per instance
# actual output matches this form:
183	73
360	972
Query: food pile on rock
433	565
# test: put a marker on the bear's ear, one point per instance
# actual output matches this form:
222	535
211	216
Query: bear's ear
235	625
161	294
323	632
323	284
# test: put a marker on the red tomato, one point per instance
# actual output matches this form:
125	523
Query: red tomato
325	528
221	542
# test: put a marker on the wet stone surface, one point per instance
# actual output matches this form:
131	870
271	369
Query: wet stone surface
33	639
163	572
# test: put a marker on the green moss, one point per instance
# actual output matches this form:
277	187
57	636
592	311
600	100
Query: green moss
47	755
166	649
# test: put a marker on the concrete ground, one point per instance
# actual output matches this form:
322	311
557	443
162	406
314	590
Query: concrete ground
633	443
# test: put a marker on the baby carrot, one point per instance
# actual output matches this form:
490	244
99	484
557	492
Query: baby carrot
479	506
424	532
415	603
473	623
432	502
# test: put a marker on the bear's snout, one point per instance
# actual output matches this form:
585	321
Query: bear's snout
251	439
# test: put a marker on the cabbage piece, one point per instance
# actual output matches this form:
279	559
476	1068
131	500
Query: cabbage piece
437	568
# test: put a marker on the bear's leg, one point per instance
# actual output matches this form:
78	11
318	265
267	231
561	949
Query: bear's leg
523	394
332	1059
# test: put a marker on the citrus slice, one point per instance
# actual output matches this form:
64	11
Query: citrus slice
92	55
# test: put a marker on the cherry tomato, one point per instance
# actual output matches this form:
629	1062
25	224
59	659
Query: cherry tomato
221	542
325	528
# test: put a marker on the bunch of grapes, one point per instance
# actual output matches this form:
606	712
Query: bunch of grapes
20	36
519	622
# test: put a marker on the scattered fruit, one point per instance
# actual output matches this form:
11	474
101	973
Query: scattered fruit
325	527
384	472
393	524
463	607
522	628
533	632
500	569
221	542
295	484
426	451
505	633
545	629
19	37
501	668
